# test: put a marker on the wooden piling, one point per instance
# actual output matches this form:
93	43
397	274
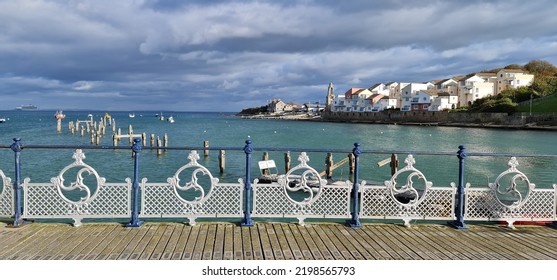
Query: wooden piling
152	142
287	162
144	139
206	145
159	144
265	157
222	160
329	162
59	125
165	142
351	163
394	164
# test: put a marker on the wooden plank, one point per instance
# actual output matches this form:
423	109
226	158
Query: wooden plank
413	250
431	249
209	246
158	253
143	242
256	243
311	246
373	249
341	232
129	249
321	247
152	244
100	233
25	243
265	242
275	246
330	247
218	248
296	251
238	249
384	243
178	252
338	243
109	238
282	242
166	254
457	237
527	241
12	238
447	238
300	241
82	241
190	245
246	243
44	247
228	251
118	244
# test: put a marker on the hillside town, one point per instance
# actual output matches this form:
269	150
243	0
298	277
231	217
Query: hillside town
435	95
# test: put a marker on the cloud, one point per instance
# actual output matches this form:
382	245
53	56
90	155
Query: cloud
154	53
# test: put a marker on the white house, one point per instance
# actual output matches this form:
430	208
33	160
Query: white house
512	78
412	94
475	86
384	103
443	101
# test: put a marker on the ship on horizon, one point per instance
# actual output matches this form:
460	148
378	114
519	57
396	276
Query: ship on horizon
28	107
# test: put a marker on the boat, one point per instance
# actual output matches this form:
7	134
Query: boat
59	115
160	116
28	107
131	115
170	119
2	120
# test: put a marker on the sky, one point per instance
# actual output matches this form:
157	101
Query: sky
224	56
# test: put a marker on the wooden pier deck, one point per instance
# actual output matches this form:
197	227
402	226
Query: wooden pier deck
275	241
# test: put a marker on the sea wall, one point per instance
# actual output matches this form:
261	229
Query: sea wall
442	118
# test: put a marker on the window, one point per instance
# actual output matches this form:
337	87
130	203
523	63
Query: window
415	107
425	106
424	98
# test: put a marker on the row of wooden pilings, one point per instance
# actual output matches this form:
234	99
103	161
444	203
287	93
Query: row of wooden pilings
330	165
97	130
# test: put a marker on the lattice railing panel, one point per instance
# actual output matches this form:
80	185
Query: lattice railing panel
481	204
161	200
377	203
407	196
6	196
271	201
511	198
42	200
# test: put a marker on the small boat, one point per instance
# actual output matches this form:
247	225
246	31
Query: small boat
2	120
170	119
59	115
160	116
131	115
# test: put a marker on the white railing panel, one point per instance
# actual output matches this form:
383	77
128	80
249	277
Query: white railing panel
415	199
301	194
510	198
6	196
53	201
191	200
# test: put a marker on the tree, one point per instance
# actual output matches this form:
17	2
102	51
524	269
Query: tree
540	68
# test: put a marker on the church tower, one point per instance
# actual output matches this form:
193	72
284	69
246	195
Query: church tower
330	96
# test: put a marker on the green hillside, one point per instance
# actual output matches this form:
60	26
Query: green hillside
548	105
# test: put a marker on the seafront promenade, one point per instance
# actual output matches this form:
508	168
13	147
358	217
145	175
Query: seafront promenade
276	241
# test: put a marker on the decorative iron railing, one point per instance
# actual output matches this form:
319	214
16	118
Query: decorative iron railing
78	192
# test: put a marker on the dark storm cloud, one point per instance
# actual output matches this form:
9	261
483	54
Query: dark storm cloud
226	55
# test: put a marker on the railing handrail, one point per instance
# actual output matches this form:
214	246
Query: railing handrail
280	149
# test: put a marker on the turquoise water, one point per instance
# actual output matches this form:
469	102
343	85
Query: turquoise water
226	130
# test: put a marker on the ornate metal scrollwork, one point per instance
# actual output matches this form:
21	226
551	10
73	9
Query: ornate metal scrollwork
79	183
193	184
407	194
302	178
6	183
511	190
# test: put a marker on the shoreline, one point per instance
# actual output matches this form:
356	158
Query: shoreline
314	118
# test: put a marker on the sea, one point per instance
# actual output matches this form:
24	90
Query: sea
229	132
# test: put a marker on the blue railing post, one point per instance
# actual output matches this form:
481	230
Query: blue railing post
459	223
135	222
355	221
247	221
16	147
